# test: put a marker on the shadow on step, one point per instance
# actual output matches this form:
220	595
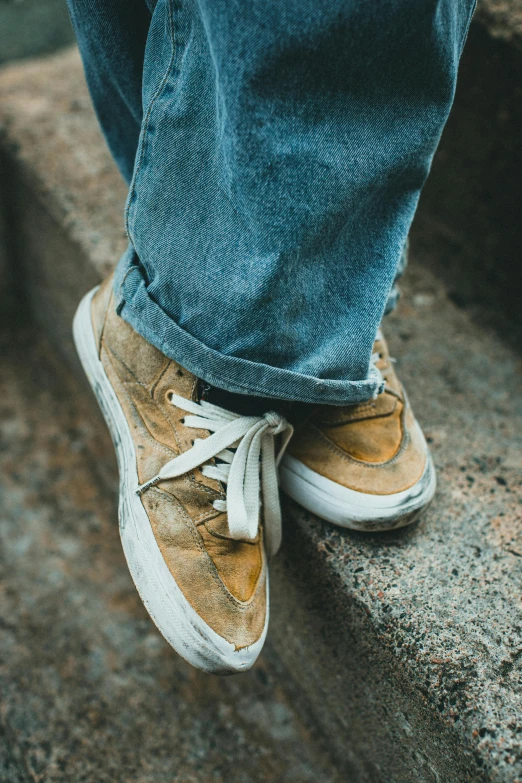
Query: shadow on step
468	225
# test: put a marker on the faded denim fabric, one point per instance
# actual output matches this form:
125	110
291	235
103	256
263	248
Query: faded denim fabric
276	151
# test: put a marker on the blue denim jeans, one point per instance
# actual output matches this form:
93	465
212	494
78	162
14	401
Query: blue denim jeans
275	151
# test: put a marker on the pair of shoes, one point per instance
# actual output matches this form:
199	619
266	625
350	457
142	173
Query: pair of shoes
199	508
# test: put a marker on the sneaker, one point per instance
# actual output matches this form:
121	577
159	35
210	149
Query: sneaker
366	466
197	554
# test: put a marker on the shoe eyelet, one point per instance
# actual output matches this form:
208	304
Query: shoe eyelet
168	395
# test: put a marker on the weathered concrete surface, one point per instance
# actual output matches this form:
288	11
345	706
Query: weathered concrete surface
502	18
409	644
65	182
4	263
89	691
33	27
46	118
471	203
437	607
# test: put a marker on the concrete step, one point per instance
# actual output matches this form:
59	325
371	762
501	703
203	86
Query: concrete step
471	205
30	28
407	646
502	19
90	691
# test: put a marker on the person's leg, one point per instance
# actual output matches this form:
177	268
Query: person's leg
111	35
198	557
282	153
282	150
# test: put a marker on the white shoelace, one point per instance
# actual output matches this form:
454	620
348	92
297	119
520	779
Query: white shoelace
376	356
250	471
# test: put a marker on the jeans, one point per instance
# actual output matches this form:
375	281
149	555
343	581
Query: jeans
275	152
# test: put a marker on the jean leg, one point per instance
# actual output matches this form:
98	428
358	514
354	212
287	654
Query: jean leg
111	35
282	152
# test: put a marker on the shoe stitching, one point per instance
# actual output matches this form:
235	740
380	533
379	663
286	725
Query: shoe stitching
405	441
209	563
205	516
224	538
210	567
152	390
114	353
156	444
192	474
196	485
105	316
367	407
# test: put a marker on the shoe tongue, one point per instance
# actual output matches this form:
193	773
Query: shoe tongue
242	404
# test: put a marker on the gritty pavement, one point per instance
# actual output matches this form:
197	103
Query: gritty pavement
89	689
443	597
409	644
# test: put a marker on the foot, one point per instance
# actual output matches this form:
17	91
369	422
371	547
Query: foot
196	554
366	466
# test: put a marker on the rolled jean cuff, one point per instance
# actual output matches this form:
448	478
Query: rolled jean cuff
226	372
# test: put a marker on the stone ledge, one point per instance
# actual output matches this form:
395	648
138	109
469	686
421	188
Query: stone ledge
91	693
502	19
408	644
46	120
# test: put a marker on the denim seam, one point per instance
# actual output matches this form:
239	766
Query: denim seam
146	120
123	301
466	32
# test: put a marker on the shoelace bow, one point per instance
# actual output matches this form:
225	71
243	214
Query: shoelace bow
250	471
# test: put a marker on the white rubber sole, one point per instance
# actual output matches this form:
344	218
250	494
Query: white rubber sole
356	510
173	615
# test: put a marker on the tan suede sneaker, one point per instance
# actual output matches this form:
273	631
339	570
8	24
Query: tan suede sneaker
365	466
196	555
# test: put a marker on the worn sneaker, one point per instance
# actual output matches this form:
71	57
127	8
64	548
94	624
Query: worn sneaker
196	555
365	466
